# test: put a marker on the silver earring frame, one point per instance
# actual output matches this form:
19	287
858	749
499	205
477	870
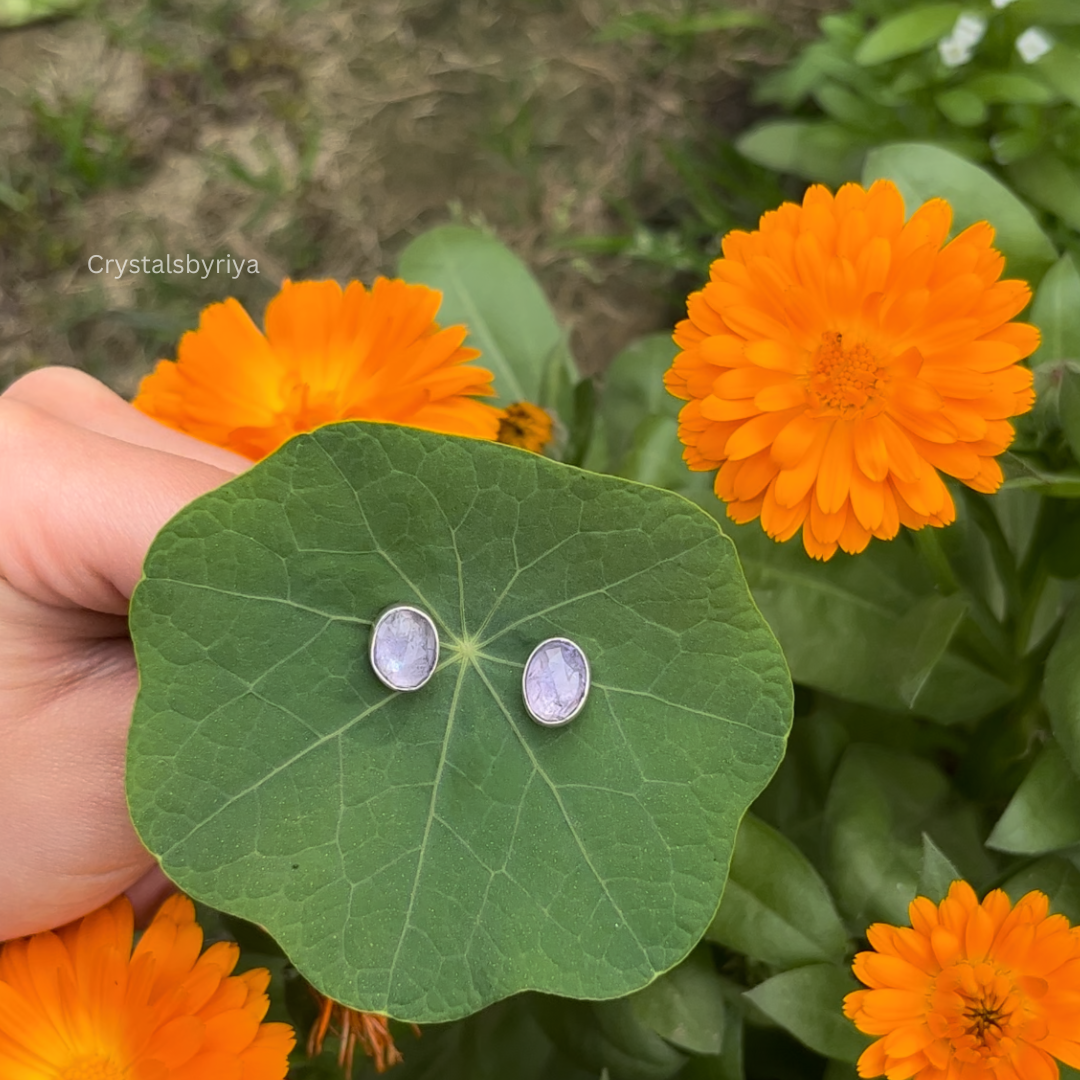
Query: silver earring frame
562	721
383	616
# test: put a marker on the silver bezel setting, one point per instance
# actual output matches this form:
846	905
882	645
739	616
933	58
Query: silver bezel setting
584	694
383	616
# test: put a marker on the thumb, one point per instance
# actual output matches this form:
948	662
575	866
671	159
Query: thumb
79	508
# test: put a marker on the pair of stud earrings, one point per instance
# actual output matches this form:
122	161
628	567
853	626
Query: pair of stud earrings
405	651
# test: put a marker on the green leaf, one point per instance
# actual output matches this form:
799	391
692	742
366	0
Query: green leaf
1069	407
1061	688
911	30
923	172
880	804
962	106
865	627
686	1005
775	906
1027	473
634	391
489	289
808	1002
21	12
814	150
608	1037
448	850
937	872
1059	68
1044	814
1057	877
502	1041
1049	182
1011	88
1051	12
1056	312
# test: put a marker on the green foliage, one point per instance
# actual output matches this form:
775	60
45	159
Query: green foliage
886	71
453	854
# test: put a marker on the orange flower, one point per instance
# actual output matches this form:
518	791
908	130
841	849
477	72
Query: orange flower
526	425
970	991
839	359
351	1026
78	1004
327	355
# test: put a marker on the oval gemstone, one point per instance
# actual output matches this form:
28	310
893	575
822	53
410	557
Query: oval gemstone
404	648
556	682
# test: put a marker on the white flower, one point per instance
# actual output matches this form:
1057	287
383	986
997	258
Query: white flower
1033	43
969	30
953	53
999	4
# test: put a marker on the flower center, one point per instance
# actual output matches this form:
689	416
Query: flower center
983	1011
843	381
94	1067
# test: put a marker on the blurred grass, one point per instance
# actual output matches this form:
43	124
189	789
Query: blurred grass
319	136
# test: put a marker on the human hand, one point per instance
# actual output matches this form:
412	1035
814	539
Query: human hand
86	482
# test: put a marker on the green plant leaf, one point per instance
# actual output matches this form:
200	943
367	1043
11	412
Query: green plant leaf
1054	875
489	289
608	1038
1056	312
808	1002
937	872
775	906
911	30
21	12
815	150
865	627
1047	12
634	391
1050	183
1059	68
1011	88
423	854
1061	688
686	1005
504	1040
962	106
922	172
1044	814
1027	473
881	802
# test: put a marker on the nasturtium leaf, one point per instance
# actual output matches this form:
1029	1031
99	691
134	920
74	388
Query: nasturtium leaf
489	289
423	854
775	906
808	1002
936	873
922	171
686	1005
1048	181
1044	814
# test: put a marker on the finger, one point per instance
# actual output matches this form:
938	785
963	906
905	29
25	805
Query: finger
77	398
148	894
79	508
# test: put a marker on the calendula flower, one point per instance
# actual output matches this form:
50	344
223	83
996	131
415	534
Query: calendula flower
839	360
970	991
78	1004
526	425
328	354
352	1027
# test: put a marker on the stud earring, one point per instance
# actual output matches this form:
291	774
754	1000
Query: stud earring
404	647
555	682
